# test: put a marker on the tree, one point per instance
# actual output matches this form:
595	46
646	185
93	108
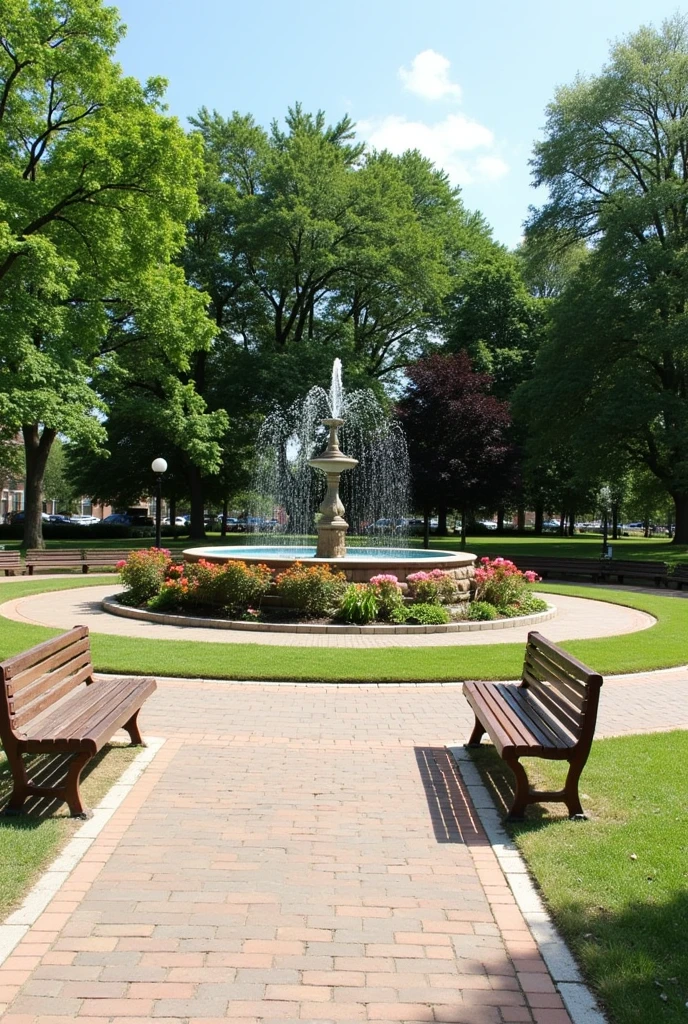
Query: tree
457	434
614	374
491	316
57	484
96	184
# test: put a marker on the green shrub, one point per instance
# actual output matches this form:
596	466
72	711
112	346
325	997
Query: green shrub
526	605
360	604
232	586
421	615
314	589
482	611
143	574
500	583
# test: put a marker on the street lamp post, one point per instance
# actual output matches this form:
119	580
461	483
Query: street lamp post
159	466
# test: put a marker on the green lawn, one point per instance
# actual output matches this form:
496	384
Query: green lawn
30	842
662	646
582	546
617	885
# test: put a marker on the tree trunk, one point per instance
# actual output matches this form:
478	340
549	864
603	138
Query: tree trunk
500	519
572	522
562	524
223	527
646	528
426	527
442	521
197	530
539	517
681	523
615	522
464	524
36	450
520	519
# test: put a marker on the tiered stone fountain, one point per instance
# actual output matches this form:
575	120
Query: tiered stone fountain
332	526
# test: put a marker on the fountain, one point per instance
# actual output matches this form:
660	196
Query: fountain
373	481
332	527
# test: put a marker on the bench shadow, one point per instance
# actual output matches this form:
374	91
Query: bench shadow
43	770
454	819
499	782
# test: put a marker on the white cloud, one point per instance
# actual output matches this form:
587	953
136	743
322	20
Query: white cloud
428	77
450	143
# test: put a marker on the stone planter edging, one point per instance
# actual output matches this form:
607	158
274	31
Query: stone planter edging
111	605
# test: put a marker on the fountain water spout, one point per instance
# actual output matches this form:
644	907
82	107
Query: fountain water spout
332	526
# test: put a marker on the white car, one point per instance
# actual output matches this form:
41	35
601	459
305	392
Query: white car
489	524
84	520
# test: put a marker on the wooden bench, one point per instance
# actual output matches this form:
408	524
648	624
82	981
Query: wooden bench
679	576
101	558
45	709
562	567
551	713
54	558
75	558
11	562
620	568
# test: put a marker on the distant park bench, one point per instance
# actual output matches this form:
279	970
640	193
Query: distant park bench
597	569
11	562
679	576
551	713
75	558
45	708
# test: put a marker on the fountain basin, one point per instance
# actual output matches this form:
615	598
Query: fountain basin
358	565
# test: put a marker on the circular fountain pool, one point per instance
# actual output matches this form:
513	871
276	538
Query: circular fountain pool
359	564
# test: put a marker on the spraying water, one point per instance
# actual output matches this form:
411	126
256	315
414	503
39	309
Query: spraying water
376	493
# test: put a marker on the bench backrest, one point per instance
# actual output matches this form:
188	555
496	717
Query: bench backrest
10	558
103	556
35	680
54	556
630	564
567	688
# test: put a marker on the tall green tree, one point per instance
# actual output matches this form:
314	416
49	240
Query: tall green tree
614	376
96	184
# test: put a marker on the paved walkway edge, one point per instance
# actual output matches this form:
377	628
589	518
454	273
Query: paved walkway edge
15	927
577	997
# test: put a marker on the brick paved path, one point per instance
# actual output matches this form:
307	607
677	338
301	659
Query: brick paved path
310	855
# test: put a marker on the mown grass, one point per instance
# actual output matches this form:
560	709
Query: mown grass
662	646
617	885
581	546
30	842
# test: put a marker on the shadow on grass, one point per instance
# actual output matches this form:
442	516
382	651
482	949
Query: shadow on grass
43	770
499	780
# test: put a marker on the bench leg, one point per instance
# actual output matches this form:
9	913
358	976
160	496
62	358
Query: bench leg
71	789
477	734
20	790
132	727
522	794
571	797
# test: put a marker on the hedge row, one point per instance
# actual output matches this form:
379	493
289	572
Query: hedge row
89	534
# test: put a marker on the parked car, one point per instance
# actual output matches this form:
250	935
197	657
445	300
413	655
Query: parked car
489	524
124	519
84	520
20	517
61	518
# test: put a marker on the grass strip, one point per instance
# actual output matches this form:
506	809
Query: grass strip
617	885
30	842
662	646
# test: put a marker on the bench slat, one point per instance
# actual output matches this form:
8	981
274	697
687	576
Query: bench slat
563	659
10	668
52	691
544	670
53	663
67	720
507	730
555	704
535	719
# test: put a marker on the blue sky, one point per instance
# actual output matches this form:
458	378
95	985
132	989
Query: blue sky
467	83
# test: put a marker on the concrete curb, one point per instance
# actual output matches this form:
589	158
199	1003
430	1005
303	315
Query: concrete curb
111	605
577	997
14	928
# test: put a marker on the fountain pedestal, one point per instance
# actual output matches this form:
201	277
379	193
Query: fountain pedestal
332	526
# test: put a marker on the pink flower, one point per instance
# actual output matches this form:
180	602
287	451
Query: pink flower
120	564
384	578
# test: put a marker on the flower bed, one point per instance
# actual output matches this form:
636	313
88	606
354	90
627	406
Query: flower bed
252	592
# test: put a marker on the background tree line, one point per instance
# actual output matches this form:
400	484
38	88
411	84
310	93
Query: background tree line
160	289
